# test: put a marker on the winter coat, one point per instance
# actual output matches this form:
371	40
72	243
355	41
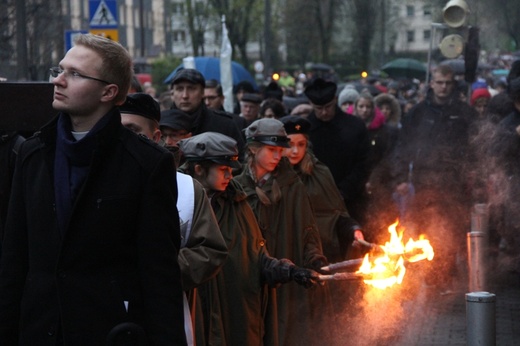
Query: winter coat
342	144
115	262
334	222
236	302
205	251
290	230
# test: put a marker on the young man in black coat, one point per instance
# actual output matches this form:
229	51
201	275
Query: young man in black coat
92	235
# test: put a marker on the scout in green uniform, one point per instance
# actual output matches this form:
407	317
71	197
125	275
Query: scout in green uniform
281	204
236	307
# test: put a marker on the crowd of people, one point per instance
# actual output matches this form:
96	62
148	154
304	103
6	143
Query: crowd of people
177	222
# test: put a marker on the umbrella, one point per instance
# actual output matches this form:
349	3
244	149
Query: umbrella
210	69
405	68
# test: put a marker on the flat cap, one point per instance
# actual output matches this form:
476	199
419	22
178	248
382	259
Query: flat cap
295	124
211	146
189	75
141	104
268	131
175	119
251	97
320	92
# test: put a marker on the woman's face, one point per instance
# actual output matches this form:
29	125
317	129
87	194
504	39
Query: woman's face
364	108
296	152
218	177
266	159
386	110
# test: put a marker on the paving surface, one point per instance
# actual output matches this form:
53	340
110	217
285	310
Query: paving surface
422	314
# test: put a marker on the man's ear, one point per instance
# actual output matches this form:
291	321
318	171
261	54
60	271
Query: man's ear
110	93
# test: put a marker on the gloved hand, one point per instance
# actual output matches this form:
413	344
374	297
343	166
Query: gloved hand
304	277
318	264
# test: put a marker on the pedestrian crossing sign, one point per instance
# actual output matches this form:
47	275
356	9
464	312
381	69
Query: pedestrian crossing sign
103	14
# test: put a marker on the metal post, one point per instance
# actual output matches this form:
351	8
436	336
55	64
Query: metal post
480	319
476	257
434	26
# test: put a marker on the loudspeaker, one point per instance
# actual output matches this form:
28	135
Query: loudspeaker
455	13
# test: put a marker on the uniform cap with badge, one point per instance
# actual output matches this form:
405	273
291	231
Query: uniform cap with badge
211	146
294	124
268	131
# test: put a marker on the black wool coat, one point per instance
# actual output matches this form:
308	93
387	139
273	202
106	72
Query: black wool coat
115	262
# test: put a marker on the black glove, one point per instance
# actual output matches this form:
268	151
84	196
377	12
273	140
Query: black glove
318	264
304	277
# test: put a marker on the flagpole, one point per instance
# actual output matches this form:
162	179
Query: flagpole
226	76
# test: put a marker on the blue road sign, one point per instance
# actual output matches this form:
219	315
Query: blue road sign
103	14
69	37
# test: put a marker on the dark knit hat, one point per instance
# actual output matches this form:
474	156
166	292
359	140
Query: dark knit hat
294	124
175	119
273	90
320	92
189	75
269	131
141	104
211	146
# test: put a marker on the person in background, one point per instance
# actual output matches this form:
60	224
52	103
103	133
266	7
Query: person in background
479	100
379	207
187	89
203	250
284	213
240	89
92	237
174	126
433	159
250	107
236	300
272	108
346	99
213	95
341	142
390	108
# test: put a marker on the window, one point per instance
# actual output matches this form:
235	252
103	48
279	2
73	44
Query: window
179	36
427	10
426	35
410	36
178	8
410	11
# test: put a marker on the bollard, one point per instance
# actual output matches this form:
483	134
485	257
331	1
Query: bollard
476	261
480	219
480	319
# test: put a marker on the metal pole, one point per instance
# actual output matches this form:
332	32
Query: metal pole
476	261
434	26
480	319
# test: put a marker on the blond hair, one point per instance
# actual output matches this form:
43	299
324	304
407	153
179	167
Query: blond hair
117	66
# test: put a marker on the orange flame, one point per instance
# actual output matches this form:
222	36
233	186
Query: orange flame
389	269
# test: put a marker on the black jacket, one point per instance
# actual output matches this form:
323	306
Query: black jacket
115	263
342	144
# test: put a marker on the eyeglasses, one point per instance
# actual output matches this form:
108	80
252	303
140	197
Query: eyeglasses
56	71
